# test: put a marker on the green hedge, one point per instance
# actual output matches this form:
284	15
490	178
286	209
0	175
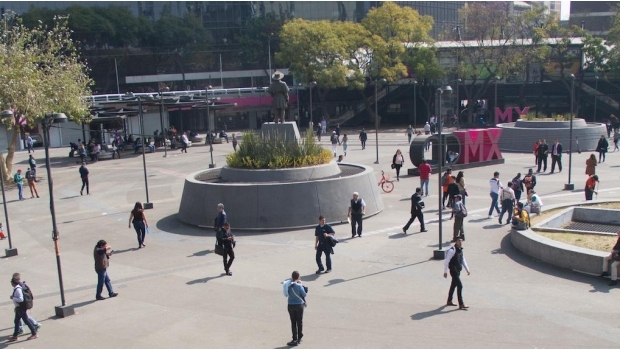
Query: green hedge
275	152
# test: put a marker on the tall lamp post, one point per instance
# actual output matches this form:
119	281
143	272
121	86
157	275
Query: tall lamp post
458	104
310	86
496	79
161	120
148	204
595	95
415	106
269	46
383	81
210	135
570	186
440	253
11	251
63	310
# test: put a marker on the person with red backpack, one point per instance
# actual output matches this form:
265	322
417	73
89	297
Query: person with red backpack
21	310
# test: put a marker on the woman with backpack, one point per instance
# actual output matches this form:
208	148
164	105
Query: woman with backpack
517	187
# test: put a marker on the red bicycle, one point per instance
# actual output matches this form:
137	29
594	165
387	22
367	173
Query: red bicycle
385	183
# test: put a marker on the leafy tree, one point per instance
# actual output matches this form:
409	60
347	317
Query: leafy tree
427	70
40	72
255	38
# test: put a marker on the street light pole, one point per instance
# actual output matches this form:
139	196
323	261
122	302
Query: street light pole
311	85
161	120
415	107
495	102
269	46
595	96
440	253
383	80
148	204
212	165
64	310
11	251
570	186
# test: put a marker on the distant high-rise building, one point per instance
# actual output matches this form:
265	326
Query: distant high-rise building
597	17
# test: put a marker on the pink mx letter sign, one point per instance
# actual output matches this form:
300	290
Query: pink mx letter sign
506	116
479	145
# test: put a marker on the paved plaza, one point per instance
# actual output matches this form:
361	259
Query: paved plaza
385	291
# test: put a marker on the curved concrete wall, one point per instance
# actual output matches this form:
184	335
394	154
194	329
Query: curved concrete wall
279	175
264	206
418	144
520	136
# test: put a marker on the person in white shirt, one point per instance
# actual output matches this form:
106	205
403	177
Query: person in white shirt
29	143
508	203
184	142
455	261
20	311
357	209
496	186
427	129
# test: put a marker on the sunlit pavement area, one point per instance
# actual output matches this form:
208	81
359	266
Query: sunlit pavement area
385	291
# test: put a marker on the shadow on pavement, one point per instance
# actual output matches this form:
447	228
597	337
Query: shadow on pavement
204	280
114	252
599	285
494	226
310	277
83	303
69	197
480	220
201	253
171	224
339	280
426	314
401	235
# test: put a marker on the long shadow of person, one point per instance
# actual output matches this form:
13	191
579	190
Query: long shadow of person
204	280
426	314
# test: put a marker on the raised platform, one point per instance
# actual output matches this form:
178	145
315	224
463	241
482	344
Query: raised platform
434	168
266	205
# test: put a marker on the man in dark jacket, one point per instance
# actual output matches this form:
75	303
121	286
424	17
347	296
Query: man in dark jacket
543	152
556	155
84	176
363	137
455	261
416	211
102	254
322	244
357	209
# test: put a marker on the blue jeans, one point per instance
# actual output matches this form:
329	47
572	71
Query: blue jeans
328	259
140	228
494	199
424	186
22	315
102	278
20	190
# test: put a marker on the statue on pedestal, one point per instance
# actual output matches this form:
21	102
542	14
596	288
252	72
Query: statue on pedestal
279	91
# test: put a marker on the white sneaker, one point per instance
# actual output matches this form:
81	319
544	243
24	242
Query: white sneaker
490	216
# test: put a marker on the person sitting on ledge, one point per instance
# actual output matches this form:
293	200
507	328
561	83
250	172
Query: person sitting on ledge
615	257
520	218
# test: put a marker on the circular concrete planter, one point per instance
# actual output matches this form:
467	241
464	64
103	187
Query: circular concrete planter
229	174
268	205
521	135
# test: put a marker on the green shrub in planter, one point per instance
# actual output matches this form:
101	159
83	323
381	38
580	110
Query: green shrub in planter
275	152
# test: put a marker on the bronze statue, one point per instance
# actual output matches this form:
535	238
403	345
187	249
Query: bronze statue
279	91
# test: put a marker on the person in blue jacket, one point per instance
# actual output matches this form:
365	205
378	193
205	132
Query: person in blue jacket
296	293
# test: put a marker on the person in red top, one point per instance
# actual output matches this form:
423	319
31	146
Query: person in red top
590	186
535	150
425	172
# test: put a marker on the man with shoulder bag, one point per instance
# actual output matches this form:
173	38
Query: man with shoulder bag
416	211
615	257
460	212
296	294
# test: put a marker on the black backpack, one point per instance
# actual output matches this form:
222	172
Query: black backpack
28	297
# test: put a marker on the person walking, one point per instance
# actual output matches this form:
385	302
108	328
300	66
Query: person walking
416	211
84	176
495	186
591	165
31	183
427	129
591	183
234	142
334	140
508	203
446	180
311	125
616	139
82	152
425	174
363	137
397	162
296	294
529	181
455	261
556	156
220	219
615	257
184	142
460	181
338	132
21	311
29	144
323	126
102	254
138	219
535	151
409	134
322	245
601	148
345	144
458	212
226	239
543	152
17	277
33	166
19	180
517	187
357	209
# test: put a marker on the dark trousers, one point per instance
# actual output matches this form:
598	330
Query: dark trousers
22	315
140	228
542	160
85	183
457	229
328	259
397	168
183	147
589	194
356	219
456	283
601	155
296	312
556	160
418	215
228	253
518	195
103	278
445	196
507	207
363	144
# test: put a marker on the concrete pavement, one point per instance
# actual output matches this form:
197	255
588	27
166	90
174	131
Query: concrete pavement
385	291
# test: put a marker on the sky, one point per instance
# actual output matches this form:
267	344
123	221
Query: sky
565	10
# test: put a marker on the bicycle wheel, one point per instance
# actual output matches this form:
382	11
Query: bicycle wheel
387	186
